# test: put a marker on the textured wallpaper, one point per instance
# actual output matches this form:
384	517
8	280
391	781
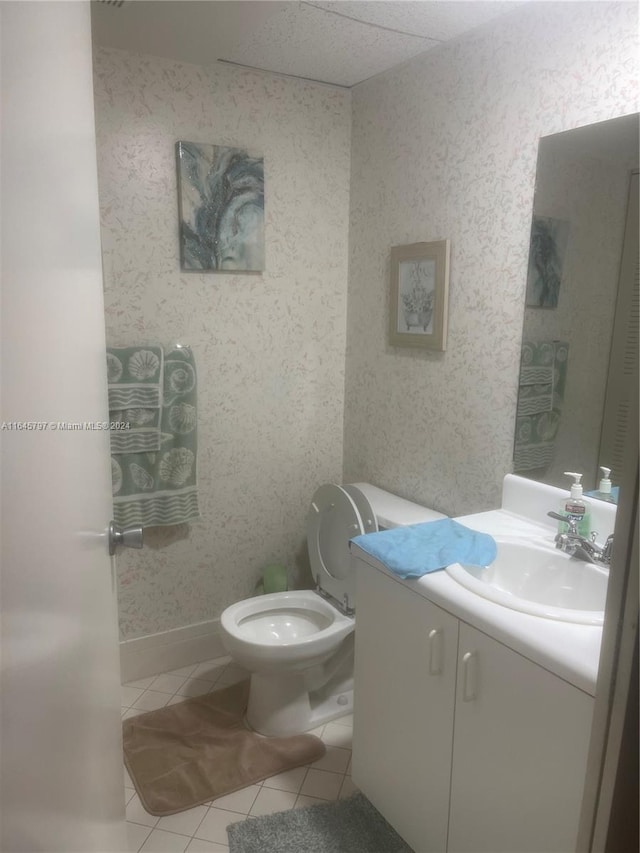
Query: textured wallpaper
445	147
269	348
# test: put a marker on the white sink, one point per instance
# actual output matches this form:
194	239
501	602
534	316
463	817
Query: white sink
538	579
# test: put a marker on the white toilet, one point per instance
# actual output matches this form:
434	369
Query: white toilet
298	646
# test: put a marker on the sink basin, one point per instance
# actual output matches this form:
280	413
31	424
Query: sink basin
538	579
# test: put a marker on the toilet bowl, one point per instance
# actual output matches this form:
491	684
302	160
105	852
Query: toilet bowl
298	646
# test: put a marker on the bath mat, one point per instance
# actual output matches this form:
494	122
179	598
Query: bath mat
345	826
186	754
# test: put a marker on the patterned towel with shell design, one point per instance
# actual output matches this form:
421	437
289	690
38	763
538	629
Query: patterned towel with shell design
153	460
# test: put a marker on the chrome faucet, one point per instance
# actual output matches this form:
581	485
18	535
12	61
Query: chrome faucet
577	546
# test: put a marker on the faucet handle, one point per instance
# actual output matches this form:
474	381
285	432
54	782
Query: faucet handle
572	523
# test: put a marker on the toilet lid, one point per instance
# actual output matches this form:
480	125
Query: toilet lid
332	521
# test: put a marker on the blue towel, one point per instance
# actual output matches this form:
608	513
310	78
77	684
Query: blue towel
418	549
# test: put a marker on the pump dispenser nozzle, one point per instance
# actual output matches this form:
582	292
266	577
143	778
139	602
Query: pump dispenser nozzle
605	482
576	486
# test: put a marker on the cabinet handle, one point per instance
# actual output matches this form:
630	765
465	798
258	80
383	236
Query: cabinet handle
435	651
469	677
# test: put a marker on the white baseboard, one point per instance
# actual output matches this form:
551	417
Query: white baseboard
169	650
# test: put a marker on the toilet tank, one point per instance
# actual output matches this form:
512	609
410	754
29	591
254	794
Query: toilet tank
393	511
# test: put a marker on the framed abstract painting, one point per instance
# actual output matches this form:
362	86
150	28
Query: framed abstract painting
221	208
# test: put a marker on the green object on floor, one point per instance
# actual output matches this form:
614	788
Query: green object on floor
274	579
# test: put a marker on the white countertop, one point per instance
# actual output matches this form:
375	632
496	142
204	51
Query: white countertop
571	651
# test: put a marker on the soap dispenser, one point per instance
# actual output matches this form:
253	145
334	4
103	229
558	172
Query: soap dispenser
576	508
604	487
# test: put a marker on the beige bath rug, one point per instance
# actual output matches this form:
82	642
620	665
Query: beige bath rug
186	754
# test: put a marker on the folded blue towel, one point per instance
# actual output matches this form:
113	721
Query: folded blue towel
417	549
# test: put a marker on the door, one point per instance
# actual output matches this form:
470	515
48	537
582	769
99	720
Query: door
61	751
519	753
405	673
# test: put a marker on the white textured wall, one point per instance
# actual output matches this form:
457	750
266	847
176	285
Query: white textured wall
270	348
446	146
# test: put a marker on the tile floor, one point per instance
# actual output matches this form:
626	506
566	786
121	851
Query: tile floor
203	828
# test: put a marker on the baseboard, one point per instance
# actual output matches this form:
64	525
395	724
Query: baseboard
169	650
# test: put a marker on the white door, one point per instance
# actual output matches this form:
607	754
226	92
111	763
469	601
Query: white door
60	721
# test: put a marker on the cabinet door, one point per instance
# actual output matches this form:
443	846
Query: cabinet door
405	661
519	755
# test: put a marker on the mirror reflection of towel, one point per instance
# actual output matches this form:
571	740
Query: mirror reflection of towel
543	374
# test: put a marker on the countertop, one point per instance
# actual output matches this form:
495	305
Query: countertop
570	651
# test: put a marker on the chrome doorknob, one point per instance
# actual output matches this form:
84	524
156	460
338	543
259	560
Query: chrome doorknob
127	537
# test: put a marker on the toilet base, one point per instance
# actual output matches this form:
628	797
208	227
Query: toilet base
283	705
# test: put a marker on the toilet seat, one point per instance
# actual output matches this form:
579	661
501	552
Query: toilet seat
334	519
283	629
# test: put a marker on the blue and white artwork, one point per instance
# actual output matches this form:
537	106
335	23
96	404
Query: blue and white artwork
221	206
546	259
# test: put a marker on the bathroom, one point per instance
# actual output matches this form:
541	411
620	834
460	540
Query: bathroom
301	385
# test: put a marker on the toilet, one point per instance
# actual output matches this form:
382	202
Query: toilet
298	646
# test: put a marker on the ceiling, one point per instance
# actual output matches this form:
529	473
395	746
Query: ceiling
342	42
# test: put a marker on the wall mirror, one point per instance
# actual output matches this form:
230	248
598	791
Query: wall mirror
580	333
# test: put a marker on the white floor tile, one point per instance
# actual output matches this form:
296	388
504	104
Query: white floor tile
136	836
199	846
231	675
184	671
335	759
133	712
303	801
130	694
348	788
271	800
321	783
214	826
168	683
318	731
210	670
141	682
165	842
290	780
194	687
239	801
136	813
203	828
337	735
177	698
184	823
151	700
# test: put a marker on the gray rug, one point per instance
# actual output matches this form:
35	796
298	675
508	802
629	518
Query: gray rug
344	826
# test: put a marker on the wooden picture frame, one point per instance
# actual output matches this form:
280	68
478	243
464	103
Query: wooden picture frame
419	295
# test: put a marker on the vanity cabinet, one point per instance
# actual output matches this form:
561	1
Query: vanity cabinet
460	742
405	685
